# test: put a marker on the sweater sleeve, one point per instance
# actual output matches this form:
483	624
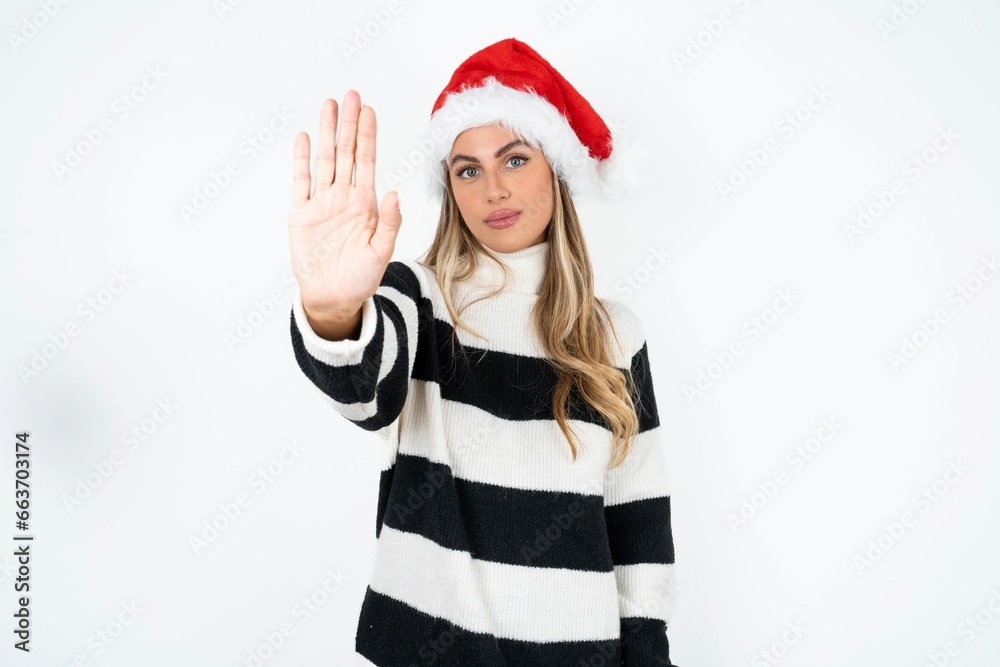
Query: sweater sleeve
366	379
637	513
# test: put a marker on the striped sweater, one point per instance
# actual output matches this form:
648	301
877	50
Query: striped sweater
493	546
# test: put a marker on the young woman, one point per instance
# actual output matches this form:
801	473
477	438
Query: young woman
524	510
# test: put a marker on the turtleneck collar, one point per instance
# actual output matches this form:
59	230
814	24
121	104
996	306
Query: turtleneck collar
526	268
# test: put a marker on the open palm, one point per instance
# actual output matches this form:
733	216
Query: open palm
341	241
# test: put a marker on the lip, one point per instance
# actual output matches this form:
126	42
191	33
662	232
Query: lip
505	217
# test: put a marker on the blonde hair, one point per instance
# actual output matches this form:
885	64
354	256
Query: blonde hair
573	325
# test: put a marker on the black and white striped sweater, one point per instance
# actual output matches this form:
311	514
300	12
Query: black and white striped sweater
494	546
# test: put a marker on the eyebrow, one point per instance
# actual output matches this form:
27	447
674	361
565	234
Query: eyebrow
500	151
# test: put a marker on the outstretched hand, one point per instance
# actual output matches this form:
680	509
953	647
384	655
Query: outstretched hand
341	240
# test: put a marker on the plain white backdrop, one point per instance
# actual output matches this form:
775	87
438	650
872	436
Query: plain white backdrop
146	292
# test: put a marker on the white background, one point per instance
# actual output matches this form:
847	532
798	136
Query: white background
162	337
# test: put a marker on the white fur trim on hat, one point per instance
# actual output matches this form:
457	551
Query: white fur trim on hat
535	118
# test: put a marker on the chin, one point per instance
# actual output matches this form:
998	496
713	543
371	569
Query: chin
511	239
497	247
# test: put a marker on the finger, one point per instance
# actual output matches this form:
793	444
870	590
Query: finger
325	161
347	138
390	218
300	169
365	177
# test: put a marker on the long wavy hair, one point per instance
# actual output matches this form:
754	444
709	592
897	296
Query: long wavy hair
573	325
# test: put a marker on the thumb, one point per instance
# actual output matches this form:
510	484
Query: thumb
389	220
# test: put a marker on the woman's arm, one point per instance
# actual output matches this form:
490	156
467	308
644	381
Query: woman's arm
345	326
366	377
358	340
637	513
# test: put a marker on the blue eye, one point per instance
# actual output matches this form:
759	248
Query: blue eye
460	172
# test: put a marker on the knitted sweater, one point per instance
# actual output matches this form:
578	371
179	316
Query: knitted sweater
493	546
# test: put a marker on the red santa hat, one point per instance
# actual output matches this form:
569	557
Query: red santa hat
509	83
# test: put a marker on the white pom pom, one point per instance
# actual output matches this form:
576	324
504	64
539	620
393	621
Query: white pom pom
623	173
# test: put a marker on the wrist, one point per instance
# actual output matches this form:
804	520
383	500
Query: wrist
337	323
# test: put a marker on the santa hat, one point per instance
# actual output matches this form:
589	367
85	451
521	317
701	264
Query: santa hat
509	83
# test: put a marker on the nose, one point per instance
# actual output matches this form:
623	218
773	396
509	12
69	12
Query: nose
496	190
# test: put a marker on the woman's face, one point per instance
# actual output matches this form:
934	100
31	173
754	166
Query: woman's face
503	187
